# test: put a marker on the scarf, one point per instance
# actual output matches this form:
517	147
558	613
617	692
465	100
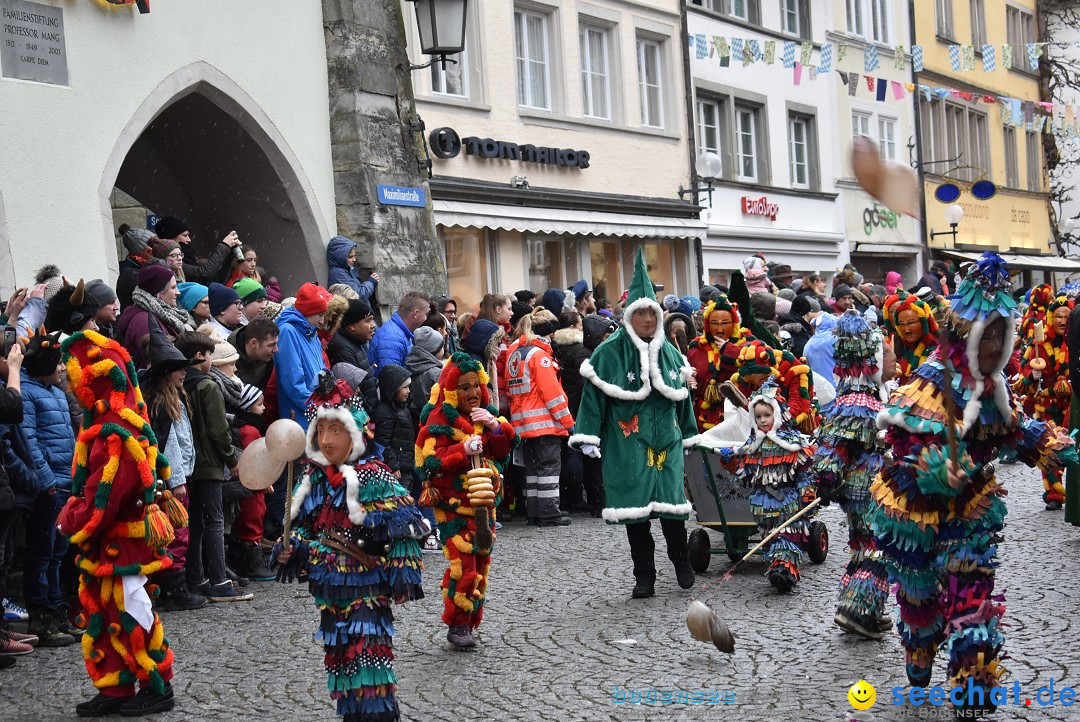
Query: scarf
175	319
229	388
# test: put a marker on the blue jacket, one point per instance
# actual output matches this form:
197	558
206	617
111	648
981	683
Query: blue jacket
47	421
298	361
337	255
391	344
818	351
18	461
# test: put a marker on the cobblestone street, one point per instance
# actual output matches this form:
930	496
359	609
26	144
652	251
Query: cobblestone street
561	633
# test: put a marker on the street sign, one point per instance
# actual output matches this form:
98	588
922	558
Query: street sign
401	196
32	43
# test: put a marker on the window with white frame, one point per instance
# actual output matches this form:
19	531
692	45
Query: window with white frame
747	132
1034	161
710	4
532	53
799	150
860	124
1020	30
739	9
650	83
855	17
452	79
870	19
795	18
886	137
595	74
1012	166
978	23
944	10
708	126
956	133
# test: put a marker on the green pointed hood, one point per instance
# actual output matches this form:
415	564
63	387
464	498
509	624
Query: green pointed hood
641	286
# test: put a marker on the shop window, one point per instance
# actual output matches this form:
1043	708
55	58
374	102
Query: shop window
606	280
554	261
658	260
466	265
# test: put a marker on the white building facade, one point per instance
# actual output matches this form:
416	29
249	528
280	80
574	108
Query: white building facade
774	129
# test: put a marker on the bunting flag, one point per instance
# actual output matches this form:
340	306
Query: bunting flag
770	52
853	83
825	59
1007	56
916	58
899	61
841	51
989	53
807	53
797	77
882	88
751	53
870	59
967	57
789	54
702	46
897	90
737	50
869	83
954	57
723	50
1034	50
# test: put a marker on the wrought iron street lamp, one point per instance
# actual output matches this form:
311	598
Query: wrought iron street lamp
709	168
442	29
953	215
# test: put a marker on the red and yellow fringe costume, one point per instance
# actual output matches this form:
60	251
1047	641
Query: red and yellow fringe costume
716	361
791	374
113	516
909	358
442	461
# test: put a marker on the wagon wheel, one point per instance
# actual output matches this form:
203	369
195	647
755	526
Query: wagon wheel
819	542
698	550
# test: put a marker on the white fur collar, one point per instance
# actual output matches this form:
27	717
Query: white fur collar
352	494
1001	389
759	436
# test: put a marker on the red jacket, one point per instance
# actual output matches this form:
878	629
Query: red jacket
538	404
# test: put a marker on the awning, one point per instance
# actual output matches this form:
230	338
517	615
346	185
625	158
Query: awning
885	249
557	220
1020	263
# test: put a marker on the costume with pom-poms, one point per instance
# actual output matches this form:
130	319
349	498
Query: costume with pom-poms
355	538
775	464
913	332
848	458
443	464
120	518
939	541
792	375
1043	383
715	359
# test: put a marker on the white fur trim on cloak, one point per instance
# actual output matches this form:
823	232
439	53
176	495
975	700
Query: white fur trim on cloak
649	355
617	514
578	440
299	494
352	494
1001	389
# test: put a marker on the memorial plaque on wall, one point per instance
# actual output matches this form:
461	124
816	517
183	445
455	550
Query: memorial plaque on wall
32	42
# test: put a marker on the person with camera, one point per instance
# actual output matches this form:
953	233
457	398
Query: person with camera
218	264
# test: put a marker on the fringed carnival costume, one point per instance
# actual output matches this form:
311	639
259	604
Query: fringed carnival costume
354	538
1039	300
715	357
938	533
1044	383
848	458
796	383
445	458
913	332
121	518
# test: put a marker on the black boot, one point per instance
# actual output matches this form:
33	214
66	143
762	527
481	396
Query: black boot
42	626
641	551
147	701
460	637
175	594
101	705
252	564
239	580
781	579
675	535
62	621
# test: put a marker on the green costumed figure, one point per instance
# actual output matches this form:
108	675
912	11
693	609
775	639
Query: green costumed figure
636	407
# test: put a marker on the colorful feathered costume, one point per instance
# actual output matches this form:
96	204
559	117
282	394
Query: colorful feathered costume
443	463
939	541
791	374
848	459
355	538
775	465
1043	383
913	332
715	358
121	518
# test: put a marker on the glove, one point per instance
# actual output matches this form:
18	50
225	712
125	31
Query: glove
484	417
474	445
591	450
1037	375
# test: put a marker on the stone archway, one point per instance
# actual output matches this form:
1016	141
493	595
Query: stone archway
200	148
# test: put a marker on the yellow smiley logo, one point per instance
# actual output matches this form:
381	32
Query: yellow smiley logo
862	695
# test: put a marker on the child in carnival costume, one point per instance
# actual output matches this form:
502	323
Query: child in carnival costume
1044	383
937	520
459	430
757	362
913	332
120	517
849	457
355	538
714	355
775	463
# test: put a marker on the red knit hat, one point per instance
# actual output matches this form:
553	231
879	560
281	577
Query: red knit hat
311	300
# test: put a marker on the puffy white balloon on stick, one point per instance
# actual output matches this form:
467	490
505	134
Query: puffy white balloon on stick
286	440
258	469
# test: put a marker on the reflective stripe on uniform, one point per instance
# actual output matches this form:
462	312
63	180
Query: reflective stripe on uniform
529	414
556	401
559	414
546	424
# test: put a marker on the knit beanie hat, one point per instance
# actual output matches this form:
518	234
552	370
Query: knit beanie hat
224	353
800	306
136	240
428	339
169	227
764	305
221	297
782	306
163	247
693	302
249	395
358	310
52	287
580	289
311	300
272	310
249	290
42	354
101	292
670	303
191	293
154	278
840	291
787	294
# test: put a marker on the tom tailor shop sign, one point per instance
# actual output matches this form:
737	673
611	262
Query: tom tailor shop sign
446	143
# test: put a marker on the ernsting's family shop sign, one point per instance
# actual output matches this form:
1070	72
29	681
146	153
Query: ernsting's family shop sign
32	45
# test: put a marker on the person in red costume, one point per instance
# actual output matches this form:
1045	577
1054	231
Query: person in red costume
459	430
714	356
757	362
120	517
